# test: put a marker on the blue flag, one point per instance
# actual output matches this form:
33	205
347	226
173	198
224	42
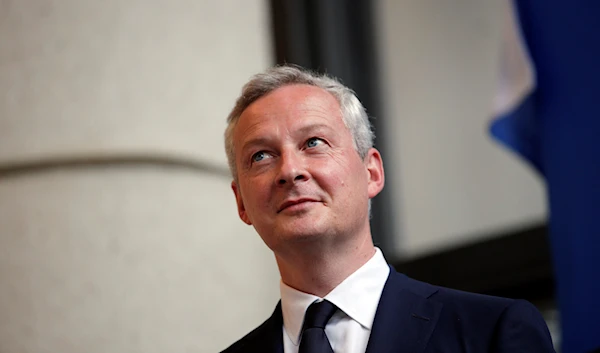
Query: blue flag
549	113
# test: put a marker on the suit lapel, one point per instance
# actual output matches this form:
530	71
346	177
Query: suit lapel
405	318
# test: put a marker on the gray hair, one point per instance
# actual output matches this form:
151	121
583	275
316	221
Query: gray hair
354	114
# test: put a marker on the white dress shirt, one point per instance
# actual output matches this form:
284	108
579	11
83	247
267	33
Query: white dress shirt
356	297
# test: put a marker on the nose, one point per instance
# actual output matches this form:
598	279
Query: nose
292	169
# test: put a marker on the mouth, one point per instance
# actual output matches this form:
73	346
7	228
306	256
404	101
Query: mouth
294	204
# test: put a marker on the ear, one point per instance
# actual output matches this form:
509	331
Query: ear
240	204
375	173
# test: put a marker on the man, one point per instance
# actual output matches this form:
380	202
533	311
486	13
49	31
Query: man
300	149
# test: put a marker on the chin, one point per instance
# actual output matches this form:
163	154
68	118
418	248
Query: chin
302	236
303	233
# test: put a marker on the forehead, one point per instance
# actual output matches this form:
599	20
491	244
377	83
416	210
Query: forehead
294	98
290	105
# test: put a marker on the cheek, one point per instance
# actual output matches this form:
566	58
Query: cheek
354	177
255	194
336	175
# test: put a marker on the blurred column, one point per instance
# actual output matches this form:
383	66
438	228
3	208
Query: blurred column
118	229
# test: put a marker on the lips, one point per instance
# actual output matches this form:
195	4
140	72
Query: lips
293	202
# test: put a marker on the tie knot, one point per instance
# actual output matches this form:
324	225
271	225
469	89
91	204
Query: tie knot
318	314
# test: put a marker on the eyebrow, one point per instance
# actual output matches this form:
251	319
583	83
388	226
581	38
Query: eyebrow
255	141
313	127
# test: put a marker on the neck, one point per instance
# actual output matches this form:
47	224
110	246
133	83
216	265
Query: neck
317	270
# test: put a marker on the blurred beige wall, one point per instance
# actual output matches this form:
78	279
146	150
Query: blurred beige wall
453	183
126	257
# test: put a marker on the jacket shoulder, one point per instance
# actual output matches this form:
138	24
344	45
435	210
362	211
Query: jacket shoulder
458	299
507	325
468	300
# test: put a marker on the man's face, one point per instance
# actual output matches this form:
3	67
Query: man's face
299	175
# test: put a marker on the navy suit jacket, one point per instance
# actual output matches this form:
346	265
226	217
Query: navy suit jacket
416	317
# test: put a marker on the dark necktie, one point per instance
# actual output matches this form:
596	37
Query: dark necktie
314	339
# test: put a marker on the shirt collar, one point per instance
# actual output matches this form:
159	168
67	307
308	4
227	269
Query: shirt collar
357	296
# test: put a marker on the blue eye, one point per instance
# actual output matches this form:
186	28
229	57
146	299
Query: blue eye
313	142
259	156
